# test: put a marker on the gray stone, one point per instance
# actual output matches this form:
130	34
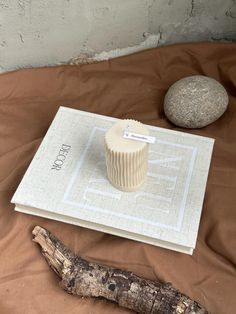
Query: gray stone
195	101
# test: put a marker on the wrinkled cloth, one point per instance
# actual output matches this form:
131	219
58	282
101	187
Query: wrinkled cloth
134	87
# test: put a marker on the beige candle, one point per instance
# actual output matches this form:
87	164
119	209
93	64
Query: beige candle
126	159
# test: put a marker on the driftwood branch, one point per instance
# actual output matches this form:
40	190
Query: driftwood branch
87	279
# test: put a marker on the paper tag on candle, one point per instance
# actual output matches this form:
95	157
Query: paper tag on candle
139	137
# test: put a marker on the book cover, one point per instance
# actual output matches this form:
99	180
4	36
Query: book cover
67	181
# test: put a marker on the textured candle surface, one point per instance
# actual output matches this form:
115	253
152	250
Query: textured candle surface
126	159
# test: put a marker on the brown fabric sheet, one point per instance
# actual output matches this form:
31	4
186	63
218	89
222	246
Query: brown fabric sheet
128	87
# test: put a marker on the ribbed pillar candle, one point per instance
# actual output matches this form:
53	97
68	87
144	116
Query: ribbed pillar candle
126	159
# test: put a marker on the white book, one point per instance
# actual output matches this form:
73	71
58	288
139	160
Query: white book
67	181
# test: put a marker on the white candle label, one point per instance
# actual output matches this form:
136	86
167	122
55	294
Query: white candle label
139	137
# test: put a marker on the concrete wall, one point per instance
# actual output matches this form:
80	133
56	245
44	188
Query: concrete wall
42	32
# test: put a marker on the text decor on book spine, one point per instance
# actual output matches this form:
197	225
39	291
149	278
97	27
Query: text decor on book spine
61	157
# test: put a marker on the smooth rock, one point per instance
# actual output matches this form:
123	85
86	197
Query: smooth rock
195	101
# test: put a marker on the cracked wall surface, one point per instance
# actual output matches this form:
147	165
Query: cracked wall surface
194	20
36	33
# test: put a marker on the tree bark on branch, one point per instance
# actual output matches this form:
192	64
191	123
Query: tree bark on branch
87	279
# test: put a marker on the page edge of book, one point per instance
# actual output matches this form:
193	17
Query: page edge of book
102	228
